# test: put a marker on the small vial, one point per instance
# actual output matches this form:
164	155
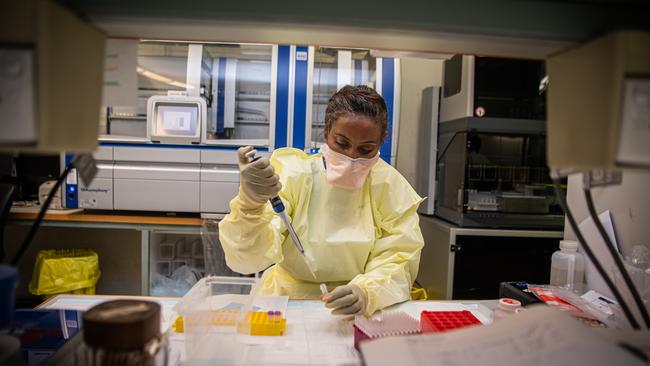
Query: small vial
323	289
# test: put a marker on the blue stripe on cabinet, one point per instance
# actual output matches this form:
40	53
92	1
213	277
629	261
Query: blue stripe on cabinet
358	75
282	96
388	92
176	147
221	93
300	97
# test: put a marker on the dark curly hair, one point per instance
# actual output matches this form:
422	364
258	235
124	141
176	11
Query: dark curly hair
357	100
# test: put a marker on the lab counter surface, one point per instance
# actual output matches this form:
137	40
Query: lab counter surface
313	336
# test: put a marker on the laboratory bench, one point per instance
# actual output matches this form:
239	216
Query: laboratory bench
130	245
313	336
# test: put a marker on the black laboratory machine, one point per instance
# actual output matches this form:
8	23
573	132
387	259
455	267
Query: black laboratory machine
494	211
491	159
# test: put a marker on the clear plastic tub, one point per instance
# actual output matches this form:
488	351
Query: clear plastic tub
212	311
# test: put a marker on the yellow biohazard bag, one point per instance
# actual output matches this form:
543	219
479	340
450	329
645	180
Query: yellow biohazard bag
419	293
65	271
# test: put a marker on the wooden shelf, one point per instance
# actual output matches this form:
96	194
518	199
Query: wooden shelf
109	218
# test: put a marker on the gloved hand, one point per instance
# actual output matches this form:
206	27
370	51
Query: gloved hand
347	300
257	180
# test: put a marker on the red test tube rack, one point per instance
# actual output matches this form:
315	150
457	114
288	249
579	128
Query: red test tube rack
442	321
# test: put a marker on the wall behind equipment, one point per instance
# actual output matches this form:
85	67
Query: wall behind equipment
417	74
629	204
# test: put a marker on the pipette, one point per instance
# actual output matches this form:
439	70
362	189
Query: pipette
278	207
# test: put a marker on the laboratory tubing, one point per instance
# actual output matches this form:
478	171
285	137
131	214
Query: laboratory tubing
506	307
568	266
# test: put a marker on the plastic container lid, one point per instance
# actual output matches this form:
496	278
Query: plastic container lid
570	245
509	304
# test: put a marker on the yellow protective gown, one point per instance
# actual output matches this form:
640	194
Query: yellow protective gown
369	237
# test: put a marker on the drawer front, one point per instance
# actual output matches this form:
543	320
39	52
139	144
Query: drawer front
143	194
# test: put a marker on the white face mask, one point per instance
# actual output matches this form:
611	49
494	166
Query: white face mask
343	171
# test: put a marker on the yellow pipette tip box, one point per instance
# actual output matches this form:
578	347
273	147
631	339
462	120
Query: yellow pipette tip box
260	323
179	325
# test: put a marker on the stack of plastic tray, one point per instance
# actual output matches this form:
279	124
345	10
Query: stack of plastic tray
164	257
392	323
441	321
175	251
183	253
188	252
197	260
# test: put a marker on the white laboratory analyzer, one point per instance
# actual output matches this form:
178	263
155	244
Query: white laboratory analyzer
175	114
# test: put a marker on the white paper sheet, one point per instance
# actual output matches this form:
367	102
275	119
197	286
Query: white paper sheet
539	336
599	301
313	337
598	246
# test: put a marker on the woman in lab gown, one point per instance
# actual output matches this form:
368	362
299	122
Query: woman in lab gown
354	214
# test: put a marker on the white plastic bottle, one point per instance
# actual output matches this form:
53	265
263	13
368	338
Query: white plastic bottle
568	266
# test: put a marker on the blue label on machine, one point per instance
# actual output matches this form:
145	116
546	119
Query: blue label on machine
221	93
71	188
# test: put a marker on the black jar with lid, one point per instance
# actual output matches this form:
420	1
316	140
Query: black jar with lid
123	332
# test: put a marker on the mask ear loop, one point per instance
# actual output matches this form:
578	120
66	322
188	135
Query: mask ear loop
323	157
373	206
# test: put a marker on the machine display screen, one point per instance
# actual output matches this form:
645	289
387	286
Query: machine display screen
177	119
